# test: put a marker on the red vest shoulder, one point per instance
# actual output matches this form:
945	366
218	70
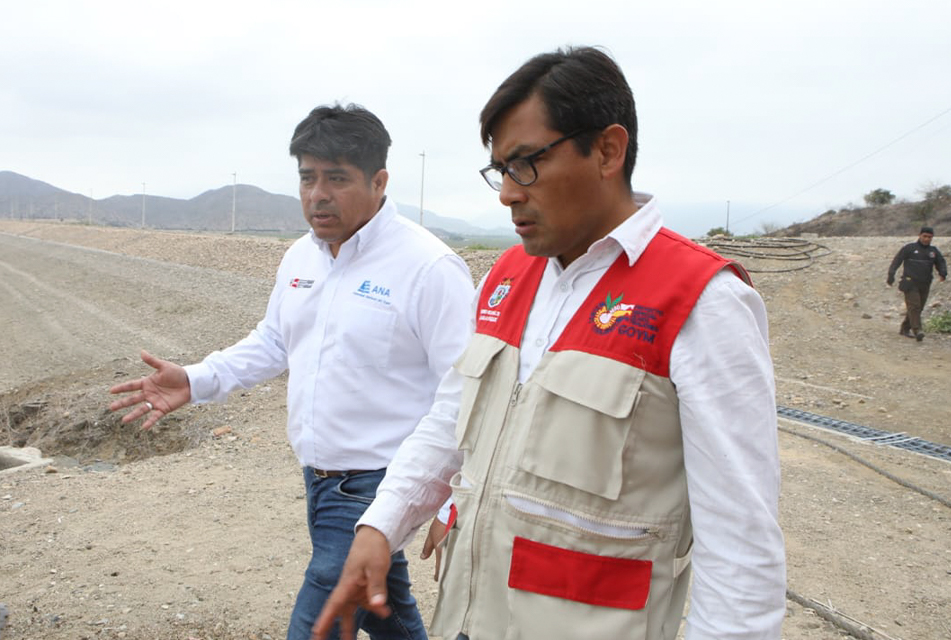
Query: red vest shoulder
634	312
508	293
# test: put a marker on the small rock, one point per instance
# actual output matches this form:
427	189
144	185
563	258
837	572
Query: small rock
220	431
50	469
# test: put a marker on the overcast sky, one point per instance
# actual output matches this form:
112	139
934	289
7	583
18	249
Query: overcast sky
748	102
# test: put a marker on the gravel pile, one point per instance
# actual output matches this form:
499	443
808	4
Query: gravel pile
254	256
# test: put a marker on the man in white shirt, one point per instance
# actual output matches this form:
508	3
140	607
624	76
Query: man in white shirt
368	311
612	421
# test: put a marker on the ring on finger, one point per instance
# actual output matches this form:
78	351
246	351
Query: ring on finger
149	405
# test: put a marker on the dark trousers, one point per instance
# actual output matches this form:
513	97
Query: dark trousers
915	299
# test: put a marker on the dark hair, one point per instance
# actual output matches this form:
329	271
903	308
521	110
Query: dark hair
582	88
343	134
926	230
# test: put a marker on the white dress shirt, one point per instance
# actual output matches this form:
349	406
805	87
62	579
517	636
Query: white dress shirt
723	373
365	336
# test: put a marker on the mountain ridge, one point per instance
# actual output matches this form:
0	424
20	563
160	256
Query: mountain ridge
255	210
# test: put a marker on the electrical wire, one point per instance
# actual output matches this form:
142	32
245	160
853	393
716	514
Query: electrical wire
846	168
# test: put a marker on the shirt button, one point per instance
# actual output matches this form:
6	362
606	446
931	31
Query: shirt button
564	287
539	343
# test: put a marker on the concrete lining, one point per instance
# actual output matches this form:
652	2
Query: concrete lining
14	459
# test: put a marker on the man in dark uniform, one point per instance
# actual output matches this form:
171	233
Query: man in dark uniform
919	260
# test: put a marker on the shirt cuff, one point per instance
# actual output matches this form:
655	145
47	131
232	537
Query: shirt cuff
201	379
387	517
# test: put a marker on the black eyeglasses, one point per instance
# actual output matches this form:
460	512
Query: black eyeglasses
522	170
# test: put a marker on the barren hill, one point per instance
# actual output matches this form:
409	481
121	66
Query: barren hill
901	219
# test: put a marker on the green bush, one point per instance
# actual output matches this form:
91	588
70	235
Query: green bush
879	197
939	322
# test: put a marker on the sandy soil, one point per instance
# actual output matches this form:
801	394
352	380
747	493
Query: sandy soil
195	530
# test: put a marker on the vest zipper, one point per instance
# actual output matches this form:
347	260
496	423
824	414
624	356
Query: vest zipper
515	392
600	526
477	531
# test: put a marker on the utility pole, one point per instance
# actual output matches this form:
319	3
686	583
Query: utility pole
234	197
728	217
422	178
143	205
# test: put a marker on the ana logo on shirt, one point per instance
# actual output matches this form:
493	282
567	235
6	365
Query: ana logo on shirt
377	293
297	283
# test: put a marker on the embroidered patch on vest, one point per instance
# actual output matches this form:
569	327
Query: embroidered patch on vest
631	320
500	292
490	314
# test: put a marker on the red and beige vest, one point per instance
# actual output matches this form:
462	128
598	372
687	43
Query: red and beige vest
573	520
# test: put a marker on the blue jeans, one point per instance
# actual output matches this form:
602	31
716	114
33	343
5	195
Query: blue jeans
333	507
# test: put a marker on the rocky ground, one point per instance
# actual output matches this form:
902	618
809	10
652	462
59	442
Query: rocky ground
195	529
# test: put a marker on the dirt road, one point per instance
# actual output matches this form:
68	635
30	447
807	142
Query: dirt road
71	307
208	540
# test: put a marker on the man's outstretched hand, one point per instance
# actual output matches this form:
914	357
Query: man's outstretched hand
155	395
362	584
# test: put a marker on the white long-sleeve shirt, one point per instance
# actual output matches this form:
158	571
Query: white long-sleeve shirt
722	370
365	336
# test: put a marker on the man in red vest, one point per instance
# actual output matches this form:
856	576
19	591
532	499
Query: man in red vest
611	426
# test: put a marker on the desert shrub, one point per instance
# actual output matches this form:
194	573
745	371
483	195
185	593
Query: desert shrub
939	194
768	228
718	231
939	322
878	197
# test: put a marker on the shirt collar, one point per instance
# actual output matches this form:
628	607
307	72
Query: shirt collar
365	235
636	232
631	236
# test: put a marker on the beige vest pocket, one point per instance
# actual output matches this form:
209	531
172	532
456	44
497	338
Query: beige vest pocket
472	364
582	422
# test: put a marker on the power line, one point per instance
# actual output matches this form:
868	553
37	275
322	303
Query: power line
846	168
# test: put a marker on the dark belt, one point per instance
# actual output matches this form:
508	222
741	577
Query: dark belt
320	473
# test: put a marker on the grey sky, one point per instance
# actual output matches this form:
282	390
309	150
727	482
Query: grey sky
750	102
